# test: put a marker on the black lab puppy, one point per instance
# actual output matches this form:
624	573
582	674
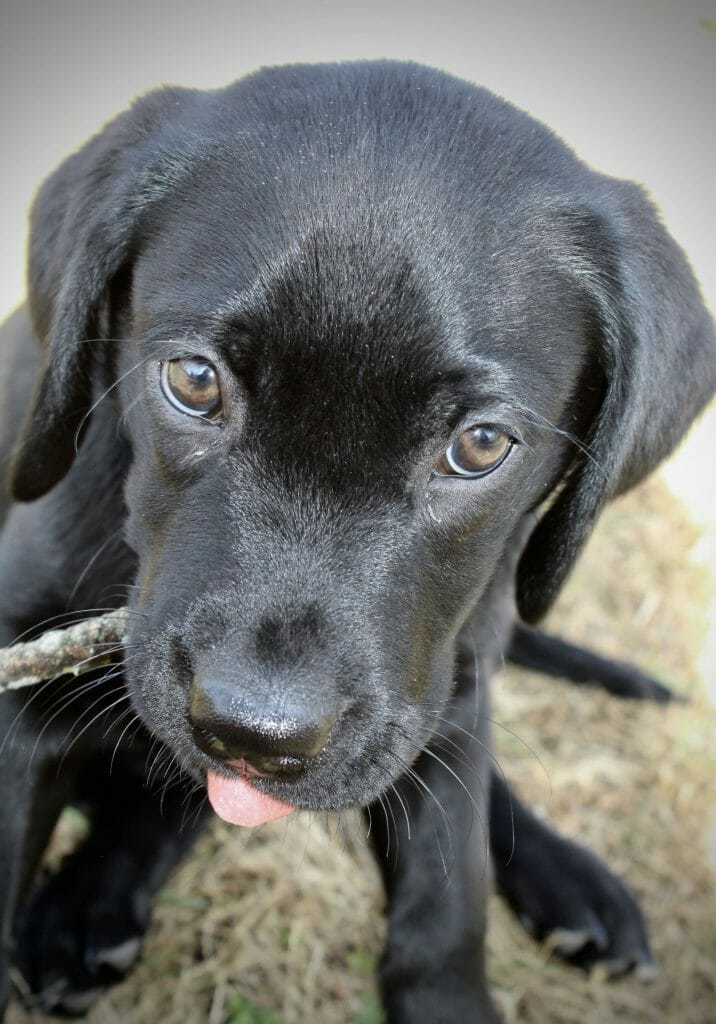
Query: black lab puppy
333	371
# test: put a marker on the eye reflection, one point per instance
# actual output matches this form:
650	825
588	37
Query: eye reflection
191	385
476	452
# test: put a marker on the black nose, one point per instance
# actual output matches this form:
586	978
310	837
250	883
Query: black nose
227	726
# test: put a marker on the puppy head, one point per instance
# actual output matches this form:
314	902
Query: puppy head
326	477
376	318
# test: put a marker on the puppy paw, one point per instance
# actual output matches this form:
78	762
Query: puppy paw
73	943
569	899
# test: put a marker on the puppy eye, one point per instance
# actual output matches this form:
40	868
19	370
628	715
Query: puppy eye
192	386
476	452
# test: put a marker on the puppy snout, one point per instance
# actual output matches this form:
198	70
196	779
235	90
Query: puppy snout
228	727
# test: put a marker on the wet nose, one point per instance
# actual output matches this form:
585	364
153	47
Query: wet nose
229	727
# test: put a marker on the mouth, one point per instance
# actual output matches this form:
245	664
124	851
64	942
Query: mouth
362	760
241	796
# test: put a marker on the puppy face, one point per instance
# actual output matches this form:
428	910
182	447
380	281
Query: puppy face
370	317
330	463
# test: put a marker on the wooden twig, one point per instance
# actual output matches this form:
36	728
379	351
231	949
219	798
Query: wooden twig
87	645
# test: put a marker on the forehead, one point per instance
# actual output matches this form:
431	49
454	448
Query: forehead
366	308
366	270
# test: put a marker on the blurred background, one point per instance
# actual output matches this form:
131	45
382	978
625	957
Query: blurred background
631	87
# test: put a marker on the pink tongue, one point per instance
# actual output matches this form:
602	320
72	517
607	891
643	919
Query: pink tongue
236	801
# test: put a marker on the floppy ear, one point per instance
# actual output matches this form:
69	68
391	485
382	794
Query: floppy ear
82	230
657	349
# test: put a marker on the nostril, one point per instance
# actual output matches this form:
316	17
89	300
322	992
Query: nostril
247	761
209	742
227	729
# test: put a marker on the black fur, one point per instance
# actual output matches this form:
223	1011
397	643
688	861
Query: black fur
375	256
552	656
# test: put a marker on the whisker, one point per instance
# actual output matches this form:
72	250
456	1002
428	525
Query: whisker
140	397
525	744
584	448
123	733
476	739
461	783
381	801
152	747
103	546
402	804
104	711
173	777
414	775
76	693
425	749
37	692
161	752
117	721
65	699
110	676
104	394
197	788
166	767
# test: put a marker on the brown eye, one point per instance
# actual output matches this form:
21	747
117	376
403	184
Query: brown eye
192	386
476	452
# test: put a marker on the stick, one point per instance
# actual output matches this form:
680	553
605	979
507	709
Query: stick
59	652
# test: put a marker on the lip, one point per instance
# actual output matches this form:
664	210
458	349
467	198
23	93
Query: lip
278	787
245	769
282	771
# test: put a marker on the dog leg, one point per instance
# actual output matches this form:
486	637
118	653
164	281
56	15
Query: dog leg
563	893
552	656
83	929
429	834
32	797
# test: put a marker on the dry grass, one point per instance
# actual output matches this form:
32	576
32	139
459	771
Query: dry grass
289	918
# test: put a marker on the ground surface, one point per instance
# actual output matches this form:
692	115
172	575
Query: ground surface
283	926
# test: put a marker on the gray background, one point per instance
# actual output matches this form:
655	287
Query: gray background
631	85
